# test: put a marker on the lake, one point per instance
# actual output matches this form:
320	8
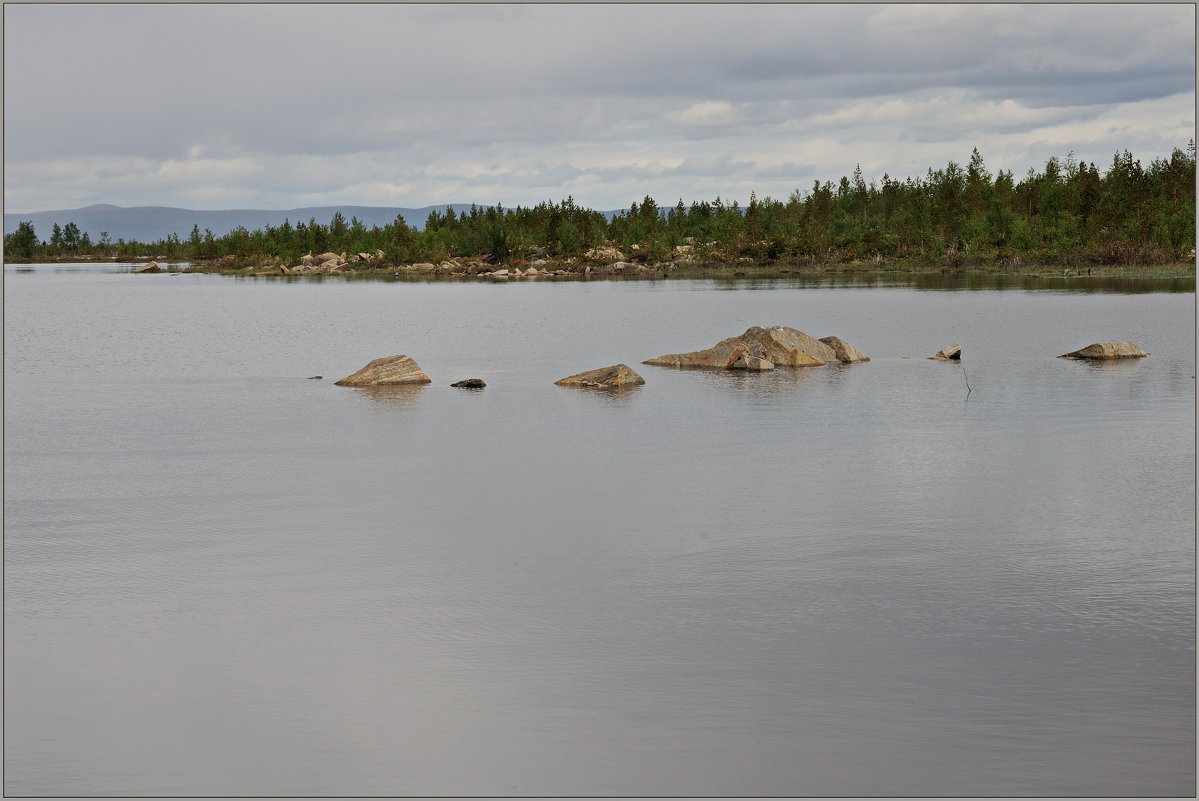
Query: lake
902	577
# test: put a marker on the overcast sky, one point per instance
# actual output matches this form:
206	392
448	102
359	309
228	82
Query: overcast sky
283	106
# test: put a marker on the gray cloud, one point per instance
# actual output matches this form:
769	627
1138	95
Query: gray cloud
230	104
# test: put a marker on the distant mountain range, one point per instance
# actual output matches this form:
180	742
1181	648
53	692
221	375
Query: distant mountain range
152	223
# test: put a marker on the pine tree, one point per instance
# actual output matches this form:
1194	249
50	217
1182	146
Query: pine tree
22	241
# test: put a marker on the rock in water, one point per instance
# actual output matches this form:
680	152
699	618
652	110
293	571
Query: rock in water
386	371
1107	350
615	377
752	363
149	267
846	353
948	352
779	344
470	383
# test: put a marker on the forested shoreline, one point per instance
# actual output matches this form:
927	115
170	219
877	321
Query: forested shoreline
1067	214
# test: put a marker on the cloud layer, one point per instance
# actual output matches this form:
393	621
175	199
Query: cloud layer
273	106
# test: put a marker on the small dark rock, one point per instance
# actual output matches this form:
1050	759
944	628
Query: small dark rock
470	383
314	376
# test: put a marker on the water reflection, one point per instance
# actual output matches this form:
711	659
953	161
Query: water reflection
932	281
607	397
956	281
395	396
775	383
1053	282
1111	365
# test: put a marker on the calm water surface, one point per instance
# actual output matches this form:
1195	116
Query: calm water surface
903	577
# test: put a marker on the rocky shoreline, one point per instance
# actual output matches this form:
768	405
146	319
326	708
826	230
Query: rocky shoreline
623	268
609	262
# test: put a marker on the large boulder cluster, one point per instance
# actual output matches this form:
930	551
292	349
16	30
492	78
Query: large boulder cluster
765	348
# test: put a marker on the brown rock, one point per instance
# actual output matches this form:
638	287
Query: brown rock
150	267
779	344
846	353
386	371
948	352
1107	350
615	377
753	363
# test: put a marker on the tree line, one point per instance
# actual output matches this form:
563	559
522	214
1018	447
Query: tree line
1069	212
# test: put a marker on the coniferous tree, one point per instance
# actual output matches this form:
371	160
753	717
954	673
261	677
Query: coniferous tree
22	241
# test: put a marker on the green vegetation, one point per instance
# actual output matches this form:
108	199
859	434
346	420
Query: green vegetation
1066	215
